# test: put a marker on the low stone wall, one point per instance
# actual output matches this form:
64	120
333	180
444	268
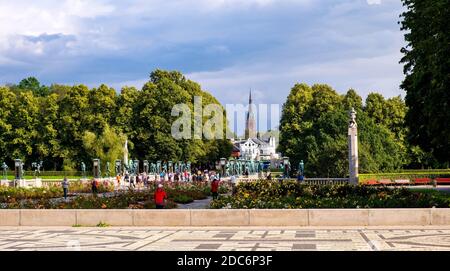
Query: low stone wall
227	217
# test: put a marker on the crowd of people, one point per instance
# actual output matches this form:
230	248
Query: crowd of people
145	180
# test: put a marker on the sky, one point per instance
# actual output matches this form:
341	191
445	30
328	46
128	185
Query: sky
228	46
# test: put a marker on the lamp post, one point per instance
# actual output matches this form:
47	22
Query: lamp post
223	162
96	168
18	170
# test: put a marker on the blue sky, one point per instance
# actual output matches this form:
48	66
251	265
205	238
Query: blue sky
228	46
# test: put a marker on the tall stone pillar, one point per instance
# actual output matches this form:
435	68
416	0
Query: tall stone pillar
353	147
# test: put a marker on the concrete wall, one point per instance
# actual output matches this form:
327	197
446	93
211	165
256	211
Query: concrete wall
227	217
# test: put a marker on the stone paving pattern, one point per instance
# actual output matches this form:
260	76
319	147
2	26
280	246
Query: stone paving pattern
224	239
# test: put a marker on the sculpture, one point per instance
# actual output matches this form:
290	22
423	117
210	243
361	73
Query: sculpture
352	122
131	166
353	147
5	168
301	168
117	167
83	170
37	166
158	167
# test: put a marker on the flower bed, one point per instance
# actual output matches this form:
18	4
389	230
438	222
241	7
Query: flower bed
9	193
293	195
84	187
50	198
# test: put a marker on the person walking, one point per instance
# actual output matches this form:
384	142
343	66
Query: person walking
160	197
118	180
65	186
94	187
233	184
132	179
139	180
215	188
126	178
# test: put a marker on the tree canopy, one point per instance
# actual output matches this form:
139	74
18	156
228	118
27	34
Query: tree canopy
427	82
314	123
66	125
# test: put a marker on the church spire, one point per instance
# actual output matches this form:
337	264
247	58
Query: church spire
250	125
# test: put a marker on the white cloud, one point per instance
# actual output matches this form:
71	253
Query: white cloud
88	9
32	18
374	2
229	46
380	73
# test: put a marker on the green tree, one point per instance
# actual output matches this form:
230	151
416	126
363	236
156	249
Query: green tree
108	146
67	125
293	122
48	145
427	81
72	123
102	108
314	125
22	137
352	100
33	85
376	107
395	116
152	120
124	111
7	103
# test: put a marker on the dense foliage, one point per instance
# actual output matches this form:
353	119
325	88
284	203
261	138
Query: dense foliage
314	124
292	195
427	69
65	125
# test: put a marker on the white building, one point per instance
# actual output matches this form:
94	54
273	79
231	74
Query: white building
254	148
257	149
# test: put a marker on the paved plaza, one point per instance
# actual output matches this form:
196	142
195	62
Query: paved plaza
225	238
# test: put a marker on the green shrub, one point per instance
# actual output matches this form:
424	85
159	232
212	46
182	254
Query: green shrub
291	194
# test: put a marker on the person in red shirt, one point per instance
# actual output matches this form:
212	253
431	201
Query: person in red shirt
160	196
215	188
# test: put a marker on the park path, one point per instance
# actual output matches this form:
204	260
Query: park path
196	204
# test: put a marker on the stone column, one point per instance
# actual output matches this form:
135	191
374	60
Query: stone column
353	148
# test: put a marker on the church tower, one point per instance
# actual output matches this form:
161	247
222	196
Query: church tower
250	124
